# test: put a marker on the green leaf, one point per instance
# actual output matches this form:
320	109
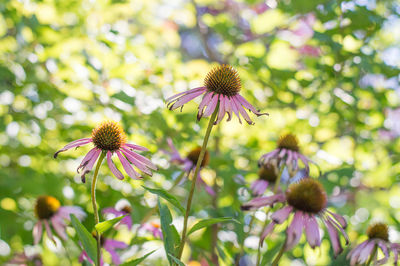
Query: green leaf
86	238
137	261
208	222
170	234
176	260
104	226
167	196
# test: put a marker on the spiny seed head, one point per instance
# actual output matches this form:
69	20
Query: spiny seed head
223	79
308	195
267	172
378	230
194	156
288	141
109	136
46	207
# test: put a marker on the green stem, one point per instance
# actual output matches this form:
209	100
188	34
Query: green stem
196	172
261	240
278	181
95	210
279	256
372	256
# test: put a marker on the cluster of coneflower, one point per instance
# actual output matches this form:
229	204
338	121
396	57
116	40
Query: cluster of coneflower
295	199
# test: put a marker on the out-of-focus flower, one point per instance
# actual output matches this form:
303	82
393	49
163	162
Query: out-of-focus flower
189	163
286	154
22	259
153	228
306	200
309	50
110	245
50	212
121	208
378	238
267	174
221	90
392	122
110	138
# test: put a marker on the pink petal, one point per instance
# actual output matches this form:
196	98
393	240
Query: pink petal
185	92
86	159
138	164
211	106
205	101
385	251
366	252
246	104
221	111
228	107
268	229
339	218
37	232
340	228
184	99
294	231
240	108
115	244
66	211
90	164
234	108
48	230
354	254
113	168
141	159
259	186
127	166
334	236
263	201
312	231
281	215
76	143
136	147
59	226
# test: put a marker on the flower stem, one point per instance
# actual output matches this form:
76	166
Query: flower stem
279	256
95	210
371	258
261	240
196	173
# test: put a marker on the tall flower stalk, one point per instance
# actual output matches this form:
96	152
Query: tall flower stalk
196	172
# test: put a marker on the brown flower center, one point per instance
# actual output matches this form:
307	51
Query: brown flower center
267	172
127	209
378	230
194	156
109	136
46	207
308	195
223	79
288	141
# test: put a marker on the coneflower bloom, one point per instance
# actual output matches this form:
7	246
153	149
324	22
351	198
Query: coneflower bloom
23	259
110	245
153	228
50	212
121	208
221	88
307	201
110	138
189	162
287	153
267	174
378	237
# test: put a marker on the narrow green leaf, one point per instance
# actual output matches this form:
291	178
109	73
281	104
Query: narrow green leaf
208	222
137	261
104	226
170	234
86	238
167	196
176	260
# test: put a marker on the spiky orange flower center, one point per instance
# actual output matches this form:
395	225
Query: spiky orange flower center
308	195
46	207
223	79
267	172
109	136
378	230
155	225
288	141
194	156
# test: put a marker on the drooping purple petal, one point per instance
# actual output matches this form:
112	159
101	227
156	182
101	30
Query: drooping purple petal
59	226
385	251
140	158
366	252
281	215
171	99
334	236
342	221
37	232
128	167
338	226
175	156
354	254
312	231
234	108
184	99
228	107
242	111
268	229
263	201
90	164
86	159
66	211
259	186
75	143
211	106
136	147
48	230
294	231
247	105
113	168
142	167
205	101
221	111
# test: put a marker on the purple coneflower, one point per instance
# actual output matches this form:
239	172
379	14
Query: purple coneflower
267	175
153	228
49	211
287	153
23	259
307	201
121	208
110	138
221	88
189	163
378	237
109	245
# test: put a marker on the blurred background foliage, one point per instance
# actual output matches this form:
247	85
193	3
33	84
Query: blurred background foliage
327	71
